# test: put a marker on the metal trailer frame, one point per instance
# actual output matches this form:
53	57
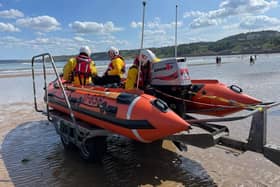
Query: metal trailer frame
76	132
219	134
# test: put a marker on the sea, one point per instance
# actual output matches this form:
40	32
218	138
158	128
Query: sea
32	154
234	69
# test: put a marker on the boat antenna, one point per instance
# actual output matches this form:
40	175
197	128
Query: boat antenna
176	31
143	21
142	39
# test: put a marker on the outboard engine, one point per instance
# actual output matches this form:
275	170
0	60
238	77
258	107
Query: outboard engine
170	72
170	77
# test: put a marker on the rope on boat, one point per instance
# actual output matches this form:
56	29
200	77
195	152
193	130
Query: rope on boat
234	104
108	94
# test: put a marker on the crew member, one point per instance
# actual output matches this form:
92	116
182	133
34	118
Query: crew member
80	69
115	71
132	74
146	58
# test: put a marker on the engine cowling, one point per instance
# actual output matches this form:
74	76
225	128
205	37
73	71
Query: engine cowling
170	72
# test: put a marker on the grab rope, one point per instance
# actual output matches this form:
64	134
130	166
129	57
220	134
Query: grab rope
232	102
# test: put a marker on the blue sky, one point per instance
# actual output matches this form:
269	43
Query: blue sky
30	27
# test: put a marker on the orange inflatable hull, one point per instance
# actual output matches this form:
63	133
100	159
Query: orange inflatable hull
138	116
217	99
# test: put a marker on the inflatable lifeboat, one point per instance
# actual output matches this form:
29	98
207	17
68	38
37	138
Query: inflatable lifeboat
172	83
210	97
136	115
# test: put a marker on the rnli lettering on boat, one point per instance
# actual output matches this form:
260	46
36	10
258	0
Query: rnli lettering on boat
166	67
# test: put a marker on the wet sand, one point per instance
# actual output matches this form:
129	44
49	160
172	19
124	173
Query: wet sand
31	154
12	116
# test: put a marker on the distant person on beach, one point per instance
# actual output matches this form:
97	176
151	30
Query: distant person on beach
146	58
218	60
115	71
252	60
80	69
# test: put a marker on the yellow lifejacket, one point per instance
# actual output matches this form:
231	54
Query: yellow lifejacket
83	76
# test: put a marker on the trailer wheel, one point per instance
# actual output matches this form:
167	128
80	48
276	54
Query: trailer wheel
93	149
66	143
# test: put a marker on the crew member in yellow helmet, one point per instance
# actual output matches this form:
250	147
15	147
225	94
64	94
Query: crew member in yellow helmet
146	58
80	69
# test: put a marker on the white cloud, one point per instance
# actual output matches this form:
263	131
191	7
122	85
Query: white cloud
41	41
156	33
11	42
158	39
135	24
59	45
229	8
156	24
40	23
7	27
10	39
249	6
194	14
108	42
94	27
12	13
233	26
259	22
203	22
102	42
54	45
81	39
40	33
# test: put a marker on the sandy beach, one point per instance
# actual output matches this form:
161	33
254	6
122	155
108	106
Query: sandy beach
31	153
11	116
